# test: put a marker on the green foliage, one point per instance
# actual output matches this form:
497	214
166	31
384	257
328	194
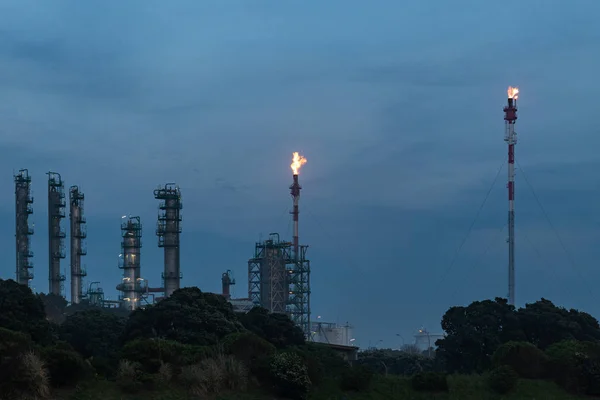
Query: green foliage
151	353
575	366
429	382
22	311
289	376
93	333
322	362
216	375
276	328
129	377
357	378
523	357
395	362
54	307
502	379
188	316
29	379
247	346
66	367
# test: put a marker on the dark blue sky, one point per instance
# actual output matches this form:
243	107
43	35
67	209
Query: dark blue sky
397	106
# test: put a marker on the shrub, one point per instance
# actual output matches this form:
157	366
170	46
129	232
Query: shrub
66	367
429	382
215	376
165	373
289	376
29	379
247	346
502	379
128	376
152	353
357	378
322	362
523	357
575	366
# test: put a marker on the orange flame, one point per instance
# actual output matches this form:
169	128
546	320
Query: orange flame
513	92
297	162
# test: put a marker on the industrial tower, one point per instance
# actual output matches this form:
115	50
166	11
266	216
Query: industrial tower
299	274
226	281
267	274
131	288
78	233
510	137
23	208
56	236
168	230
279	273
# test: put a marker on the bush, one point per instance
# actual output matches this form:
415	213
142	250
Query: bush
357	378
66	367
322	362
289	376
152	353
575	366
128	376
502	379
215	376
30	379
247	346
523	357
429	382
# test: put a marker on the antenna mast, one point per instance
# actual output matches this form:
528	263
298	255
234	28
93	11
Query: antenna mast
510	137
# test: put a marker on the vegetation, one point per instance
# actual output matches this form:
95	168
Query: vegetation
193	346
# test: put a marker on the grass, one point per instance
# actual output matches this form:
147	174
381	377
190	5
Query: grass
383	388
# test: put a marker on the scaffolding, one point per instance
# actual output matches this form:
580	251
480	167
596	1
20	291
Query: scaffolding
23	209
133	286
56	235
78	233
168	229
280	281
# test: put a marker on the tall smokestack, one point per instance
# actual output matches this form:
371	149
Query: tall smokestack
23	208
297	162
131	286
168	230
56	235
510	137
226	281
77	234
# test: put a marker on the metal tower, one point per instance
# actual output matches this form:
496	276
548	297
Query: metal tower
131	287
226	281
78	233
56	236
168	230
299	273
510	137
267	274
23	208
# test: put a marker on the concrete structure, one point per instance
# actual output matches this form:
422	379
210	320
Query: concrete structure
332	333
23	209
425	340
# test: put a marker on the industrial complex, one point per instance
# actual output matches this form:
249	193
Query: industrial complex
278	271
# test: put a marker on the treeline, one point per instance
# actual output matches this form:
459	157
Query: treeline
493	338
191	342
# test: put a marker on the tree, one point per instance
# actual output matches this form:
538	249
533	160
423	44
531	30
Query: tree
475	332
188	316
22	311
276	328
93	333
544	324
54	306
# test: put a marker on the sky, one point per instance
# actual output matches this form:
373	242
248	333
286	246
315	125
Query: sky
396	105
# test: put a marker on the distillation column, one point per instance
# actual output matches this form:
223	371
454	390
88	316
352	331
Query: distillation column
131	231
77	234
168	229
56	236
23	208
